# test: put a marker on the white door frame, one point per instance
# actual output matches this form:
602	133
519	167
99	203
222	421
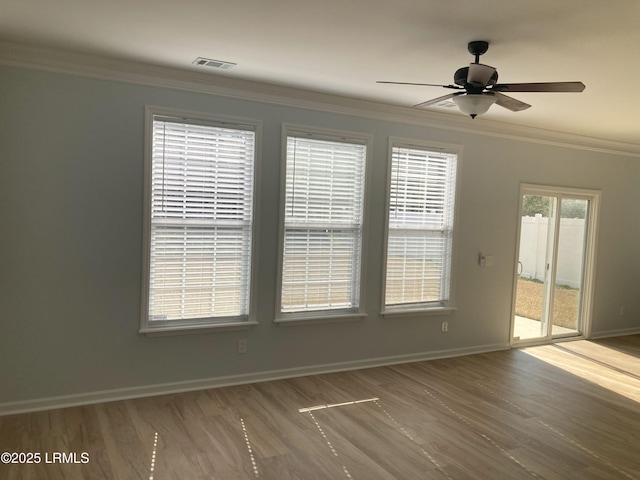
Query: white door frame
593	196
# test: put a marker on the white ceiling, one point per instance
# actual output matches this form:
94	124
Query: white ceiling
344	46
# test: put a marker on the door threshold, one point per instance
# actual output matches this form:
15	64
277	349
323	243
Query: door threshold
546	341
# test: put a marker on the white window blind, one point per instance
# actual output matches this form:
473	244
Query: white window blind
202	179
421	208
324	201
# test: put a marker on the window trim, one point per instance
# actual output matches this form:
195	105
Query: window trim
187	326
427	308
322	316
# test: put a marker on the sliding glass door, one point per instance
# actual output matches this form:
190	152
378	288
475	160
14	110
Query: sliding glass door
554	266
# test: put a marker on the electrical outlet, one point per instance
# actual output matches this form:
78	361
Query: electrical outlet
242	346
445	327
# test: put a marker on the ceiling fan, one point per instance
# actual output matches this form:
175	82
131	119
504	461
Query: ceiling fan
477	88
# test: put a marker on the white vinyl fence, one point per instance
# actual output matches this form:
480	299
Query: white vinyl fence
533	247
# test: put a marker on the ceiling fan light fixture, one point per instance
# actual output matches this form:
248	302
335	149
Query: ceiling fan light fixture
474	104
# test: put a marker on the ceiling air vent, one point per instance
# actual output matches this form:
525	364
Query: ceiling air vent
208	62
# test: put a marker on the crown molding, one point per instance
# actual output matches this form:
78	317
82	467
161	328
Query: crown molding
107	68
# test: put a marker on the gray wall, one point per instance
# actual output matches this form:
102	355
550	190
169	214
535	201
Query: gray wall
71	160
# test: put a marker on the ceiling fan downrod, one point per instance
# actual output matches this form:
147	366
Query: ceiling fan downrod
477	48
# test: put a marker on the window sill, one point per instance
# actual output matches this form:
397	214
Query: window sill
315	319
417	312
189	329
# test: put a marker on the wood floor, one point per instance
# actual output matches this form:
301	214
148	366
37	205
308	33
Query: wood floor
564	411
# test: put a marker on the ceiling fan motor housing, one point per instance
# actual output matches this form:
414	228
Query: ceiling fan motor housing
460	78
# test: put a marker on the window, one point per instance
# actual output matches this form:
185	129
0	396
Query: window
324	183
199	207
420	227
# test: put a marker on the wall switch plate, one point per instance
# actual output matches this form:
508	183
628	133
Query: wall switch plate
242	346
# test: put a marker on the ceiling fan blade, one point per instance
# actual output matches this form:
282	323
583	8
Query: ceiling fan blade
480	74
422	84
539	87
433	101
510	103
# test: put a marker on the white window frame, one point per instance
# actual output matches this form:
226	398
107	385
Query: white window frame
425	308
201	324
322	316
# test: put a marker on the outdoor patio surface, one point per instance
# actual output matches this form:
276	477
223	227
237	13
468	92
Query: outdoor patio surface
528	328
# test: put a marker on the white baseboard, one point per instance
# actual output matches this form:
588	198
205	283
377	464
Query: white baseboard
12	408
615	333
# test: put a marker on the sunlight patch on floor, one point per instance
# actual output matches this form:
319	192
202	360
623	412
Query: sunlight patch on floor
152	467
329	444
333	405
606	367
256	472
